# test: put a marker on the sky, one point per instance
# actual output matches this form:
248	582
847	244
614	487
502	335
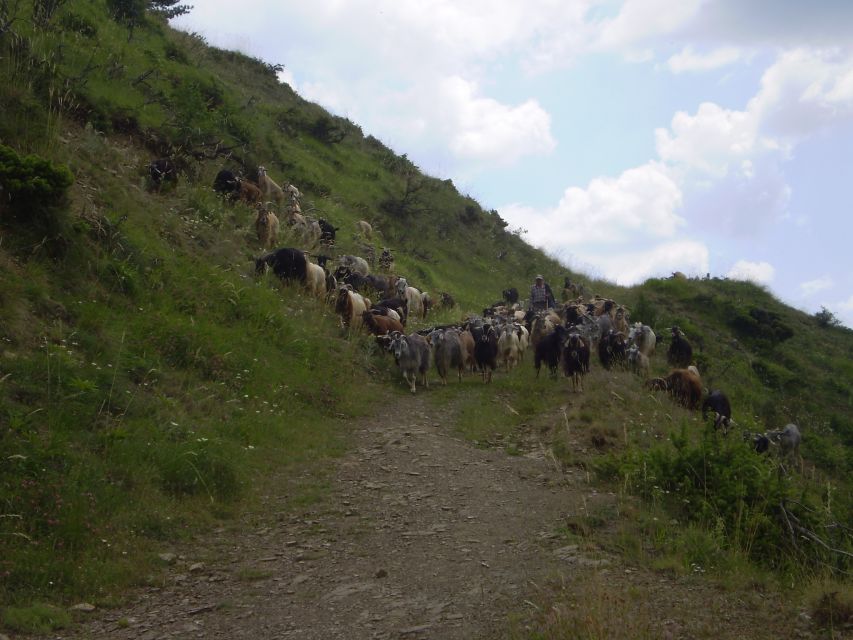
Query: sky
627	138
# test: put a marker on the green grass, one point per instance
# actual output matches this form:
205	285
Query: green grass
36	618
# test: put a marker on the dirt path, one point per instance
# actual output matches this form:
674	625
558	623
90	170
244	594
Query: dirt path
424	536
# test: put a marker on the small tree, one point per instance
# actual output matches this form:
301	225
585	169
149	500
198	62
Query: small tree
33	197
825	318
130	13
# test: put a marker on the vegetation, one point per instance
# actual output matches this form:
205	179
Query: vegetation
151	386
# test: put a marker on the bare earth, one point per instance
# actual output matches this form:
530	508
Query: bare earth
424	536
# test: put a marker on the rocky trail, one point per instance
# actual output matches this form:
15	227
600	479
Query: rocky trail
423	535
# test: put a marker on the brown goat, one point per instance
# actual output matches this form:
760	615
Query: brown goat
266	226
248	191
380	325
686	387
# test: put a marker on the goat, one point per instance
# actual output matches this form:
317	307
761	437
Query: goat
327	232
485	350
718	402
575	360
685	387
163	170
637	361
380	325
611	349
315	279
266	226
426	303
620	322
414	301
397	304
350	305
269	187
680	353
226	183
548	350
539	329
363	228
412	353
508	347
466	339
447	352
788	439
510	295
287	263
247	191
386	260
523	339
355	264
760	441
643	336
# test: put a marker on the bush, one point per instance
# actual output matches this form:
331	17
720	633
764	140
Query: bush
825	318
33	194
722	485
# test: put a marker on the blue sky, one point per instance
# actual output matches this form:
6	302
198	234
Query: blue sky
630	138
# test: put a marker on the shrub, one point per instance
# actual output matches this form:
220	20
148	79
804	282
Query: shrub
825	318
722	485
33	194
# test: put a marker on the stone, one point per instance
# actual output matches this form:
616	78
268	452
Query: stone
168	558
83	606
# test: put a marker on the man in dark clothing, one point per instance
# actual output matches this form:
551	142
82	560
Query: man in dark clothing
541	297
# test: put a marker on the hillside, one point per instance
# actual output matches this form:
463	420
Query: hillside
152	388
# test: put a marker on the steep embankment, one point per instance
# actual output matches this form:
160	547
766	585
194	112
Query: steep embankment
151	388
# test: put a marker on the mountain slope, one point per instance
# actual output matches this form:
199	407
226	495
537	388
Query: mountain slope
149	383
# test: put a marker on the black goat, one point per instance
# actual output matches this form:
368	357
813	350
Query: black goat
549	349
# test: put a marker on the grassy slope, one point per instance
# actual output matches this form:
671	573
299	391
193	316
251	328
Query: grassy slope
149	383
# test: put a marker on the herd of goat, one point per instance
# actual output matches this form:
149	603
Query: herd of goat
562	337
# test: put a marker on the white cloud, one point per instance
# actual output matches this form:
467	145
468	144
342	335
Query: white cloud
640	204
633	267
812	287
758	272
486	130
640	21
803	92
688	59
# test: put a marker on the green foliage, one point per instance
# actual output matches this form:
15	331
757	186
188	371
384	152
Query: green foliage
762	326
723	486
33	194
168	9
825	318
130	13
38	618
645	311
